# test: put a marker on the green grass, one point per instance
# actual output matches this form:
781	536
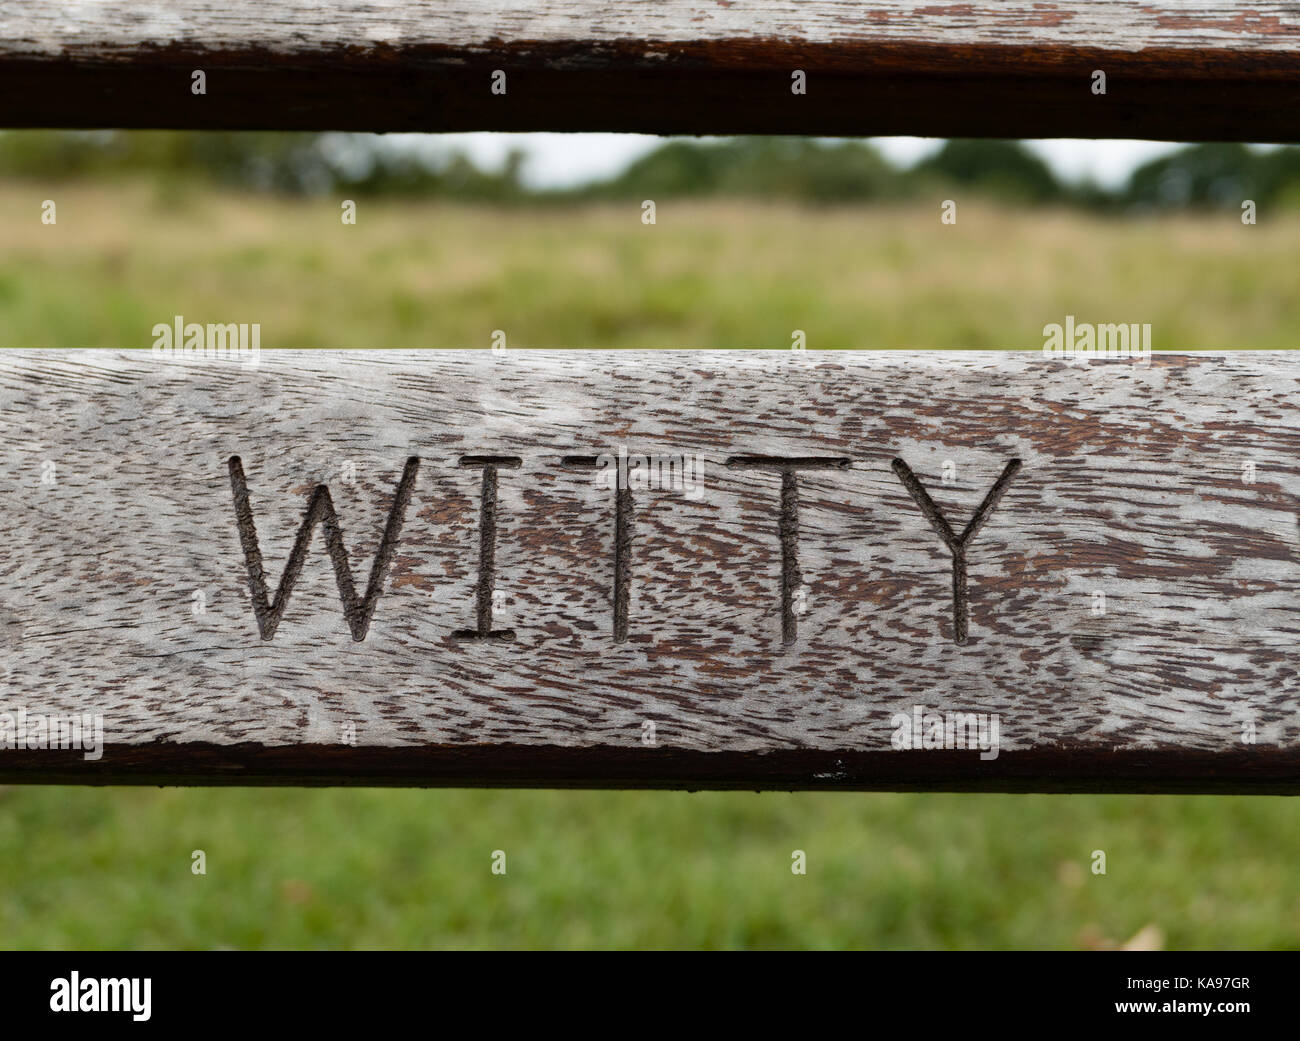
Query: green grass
122	258
110	868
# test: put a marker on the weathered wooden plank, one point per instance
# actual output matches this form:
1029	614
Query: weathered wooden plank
1178	69
761	619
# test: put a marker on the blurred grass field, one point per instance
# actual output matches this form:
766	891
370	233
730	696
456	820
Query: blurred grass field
110	868
122	258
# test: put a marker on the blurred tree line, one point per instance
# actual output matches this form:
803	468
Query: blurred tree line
809	169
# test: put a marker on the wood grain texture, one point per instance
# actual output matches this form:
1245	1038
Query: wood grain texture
1177	69
119	505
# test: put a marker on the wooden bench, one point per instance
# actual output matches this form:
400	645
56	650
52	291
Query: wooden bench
768	569
1191	70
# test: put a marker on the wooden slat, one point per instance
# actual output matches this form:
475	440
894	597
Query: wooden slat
1176	69
775	618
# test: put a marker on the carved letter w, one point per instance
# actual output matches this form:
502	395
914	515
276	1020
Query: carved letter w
320	509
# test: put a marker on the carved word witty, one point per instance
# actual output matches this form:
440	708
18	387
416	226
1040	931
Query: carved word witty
358	610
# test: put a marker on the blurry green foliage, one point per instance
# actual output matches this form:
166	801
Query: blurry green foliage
295	163
1216	175
757	167
813	170
1005	169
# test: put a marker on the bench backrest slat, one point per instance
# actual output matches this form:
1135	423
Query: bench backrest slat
1191	70
721	569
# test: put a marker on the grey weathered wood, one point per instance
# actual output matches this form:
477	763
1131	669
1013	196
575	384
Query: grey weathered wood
1178	69
298	25
116	505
